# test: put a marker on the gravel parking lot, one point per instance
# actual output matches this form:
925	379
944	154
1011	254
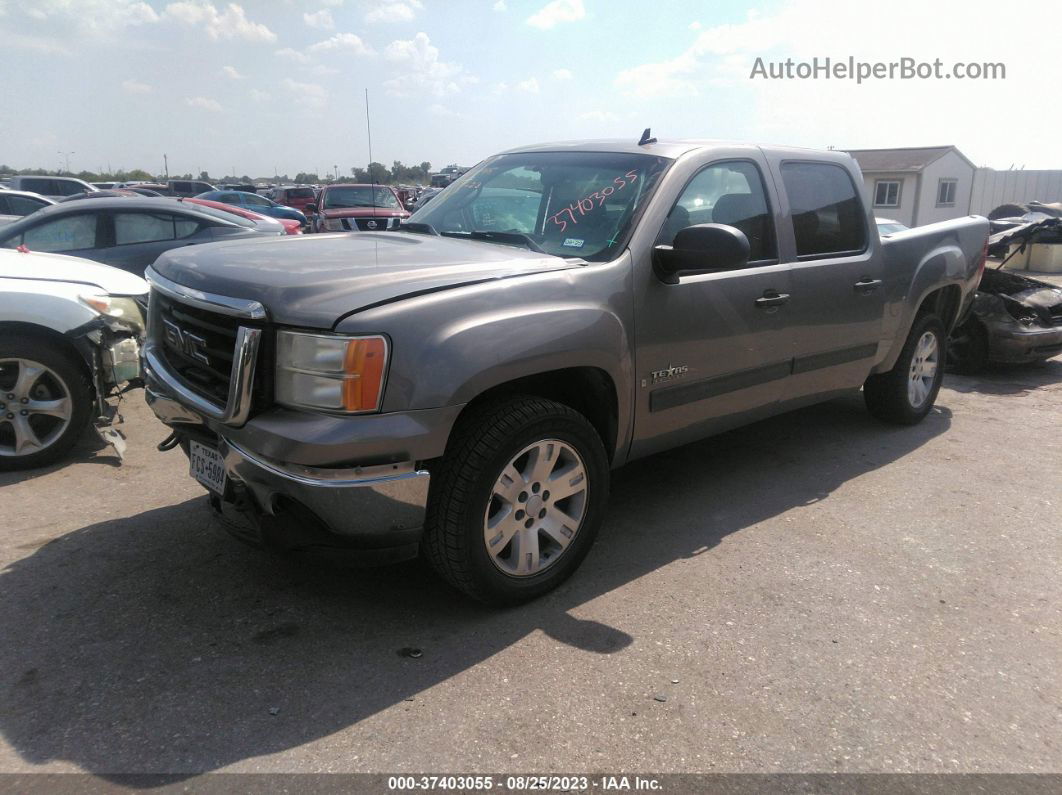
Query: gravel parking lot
818	592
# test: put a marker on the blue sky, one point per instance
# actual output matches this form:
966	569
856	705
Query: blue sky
264	84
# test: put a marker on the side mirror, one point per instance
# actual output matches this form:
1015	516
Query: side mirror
701	249
311	208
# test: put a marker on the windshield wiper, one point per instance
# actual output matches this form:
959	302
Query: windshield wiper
416	228
500	237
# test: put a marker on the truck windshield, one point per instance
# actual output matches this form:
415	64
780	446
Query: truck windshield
360	196
571	204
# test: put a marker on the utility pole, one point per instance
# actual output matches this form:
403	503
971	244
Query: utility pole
166	165
67	156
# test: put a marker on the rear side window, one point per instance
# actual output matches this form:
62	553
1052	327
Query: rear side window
827	214
69	233
132	228
22	205
728	193
38	186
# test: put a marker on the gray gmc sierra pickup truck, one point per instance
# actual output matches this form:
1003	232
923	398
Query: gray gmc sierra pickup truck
462	385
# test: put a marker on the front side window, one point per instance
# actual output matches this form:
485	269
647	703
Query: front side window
142	228
70	233
359	196
946	192
730	193
65	187
570	204
826	211
256	201
887	193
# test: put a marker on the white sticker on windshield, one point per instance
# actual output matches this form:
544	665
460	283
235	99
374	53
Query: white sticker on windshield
573	242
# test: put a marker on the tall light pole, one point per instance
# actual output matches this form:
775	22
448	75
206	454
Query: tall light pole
67	156
166	165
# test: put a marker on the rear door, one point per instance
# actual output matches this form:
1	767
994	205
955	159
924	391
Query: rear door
838	300
713	350
137	238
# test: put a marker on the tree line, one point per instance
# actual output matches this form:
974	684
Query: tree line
397	174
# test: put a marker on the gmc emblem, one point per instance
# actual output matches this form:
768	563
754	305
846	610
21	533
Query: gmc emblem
191	345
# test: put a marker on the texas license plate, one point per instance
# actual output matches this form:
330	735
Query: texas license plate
207	466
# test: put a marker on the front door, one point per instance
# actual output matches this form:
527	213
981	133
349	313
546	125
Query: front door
713	350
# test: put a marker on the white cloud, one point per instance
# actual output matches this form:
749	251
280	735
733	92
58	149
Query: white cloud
444	112
342	42
321	70
260	96
562	74
135	87
67	20
552	14
232	23
695	25
312	95
203	103
423	69
500	6
499	88
320	19
599	116
529	86
293	55
232	73
394	11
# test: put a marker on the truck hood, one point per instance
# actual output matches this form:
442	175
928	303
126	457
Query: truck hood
314	280
61	268
364	212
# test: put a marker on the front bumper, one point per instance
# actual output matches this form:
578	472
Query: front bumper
374	510
1014	344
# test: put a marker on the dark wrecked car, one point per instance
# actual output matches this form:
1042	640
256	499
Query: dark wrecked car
1014	319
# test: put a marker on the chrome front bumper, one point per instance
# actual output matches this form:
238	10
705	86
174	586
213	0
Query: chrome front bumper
377	507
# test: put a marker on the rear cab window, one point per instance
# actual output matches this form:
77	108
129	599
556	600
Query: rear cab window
828	218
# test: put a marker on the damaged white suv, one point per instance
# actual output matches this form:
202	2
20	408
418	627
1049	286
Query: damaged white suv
70	333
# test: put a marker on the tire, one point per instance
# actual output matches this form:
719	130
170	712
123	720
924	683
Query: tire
61	377
889	395
968	348
505	550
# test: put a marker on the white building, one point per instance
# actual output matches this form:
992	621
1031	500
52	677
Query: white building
922	185
917	186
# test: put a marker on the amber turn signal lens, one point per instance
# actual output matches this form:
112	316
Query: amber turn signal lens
364	365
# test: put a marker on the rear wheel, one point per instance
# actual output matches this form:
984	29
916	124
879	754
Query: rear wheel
906	393
45	402
517	500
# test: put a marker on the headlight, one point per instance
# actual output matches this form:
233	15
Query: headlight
125	311
333	224
332	373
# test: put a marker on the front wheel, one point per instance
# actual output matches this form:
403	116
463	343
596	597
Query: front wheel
517	500
906	393
45	402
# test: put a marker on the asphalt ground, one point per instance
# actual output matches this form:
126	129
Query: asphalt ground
817	592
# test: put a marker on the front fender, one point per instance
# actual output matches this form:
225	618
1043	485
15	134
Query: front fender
58	310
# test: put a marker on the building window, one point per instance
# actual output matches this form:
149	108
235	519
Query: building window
887	193
946	192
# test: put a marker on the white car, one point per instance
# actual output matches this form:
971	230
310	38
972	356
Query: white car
17	204
70	332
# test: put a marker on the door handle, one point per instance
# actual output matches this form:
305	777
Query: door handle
772	298
867	285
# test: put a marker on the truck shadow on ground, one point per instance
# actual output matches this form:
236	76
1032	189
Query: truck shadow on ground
156	644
